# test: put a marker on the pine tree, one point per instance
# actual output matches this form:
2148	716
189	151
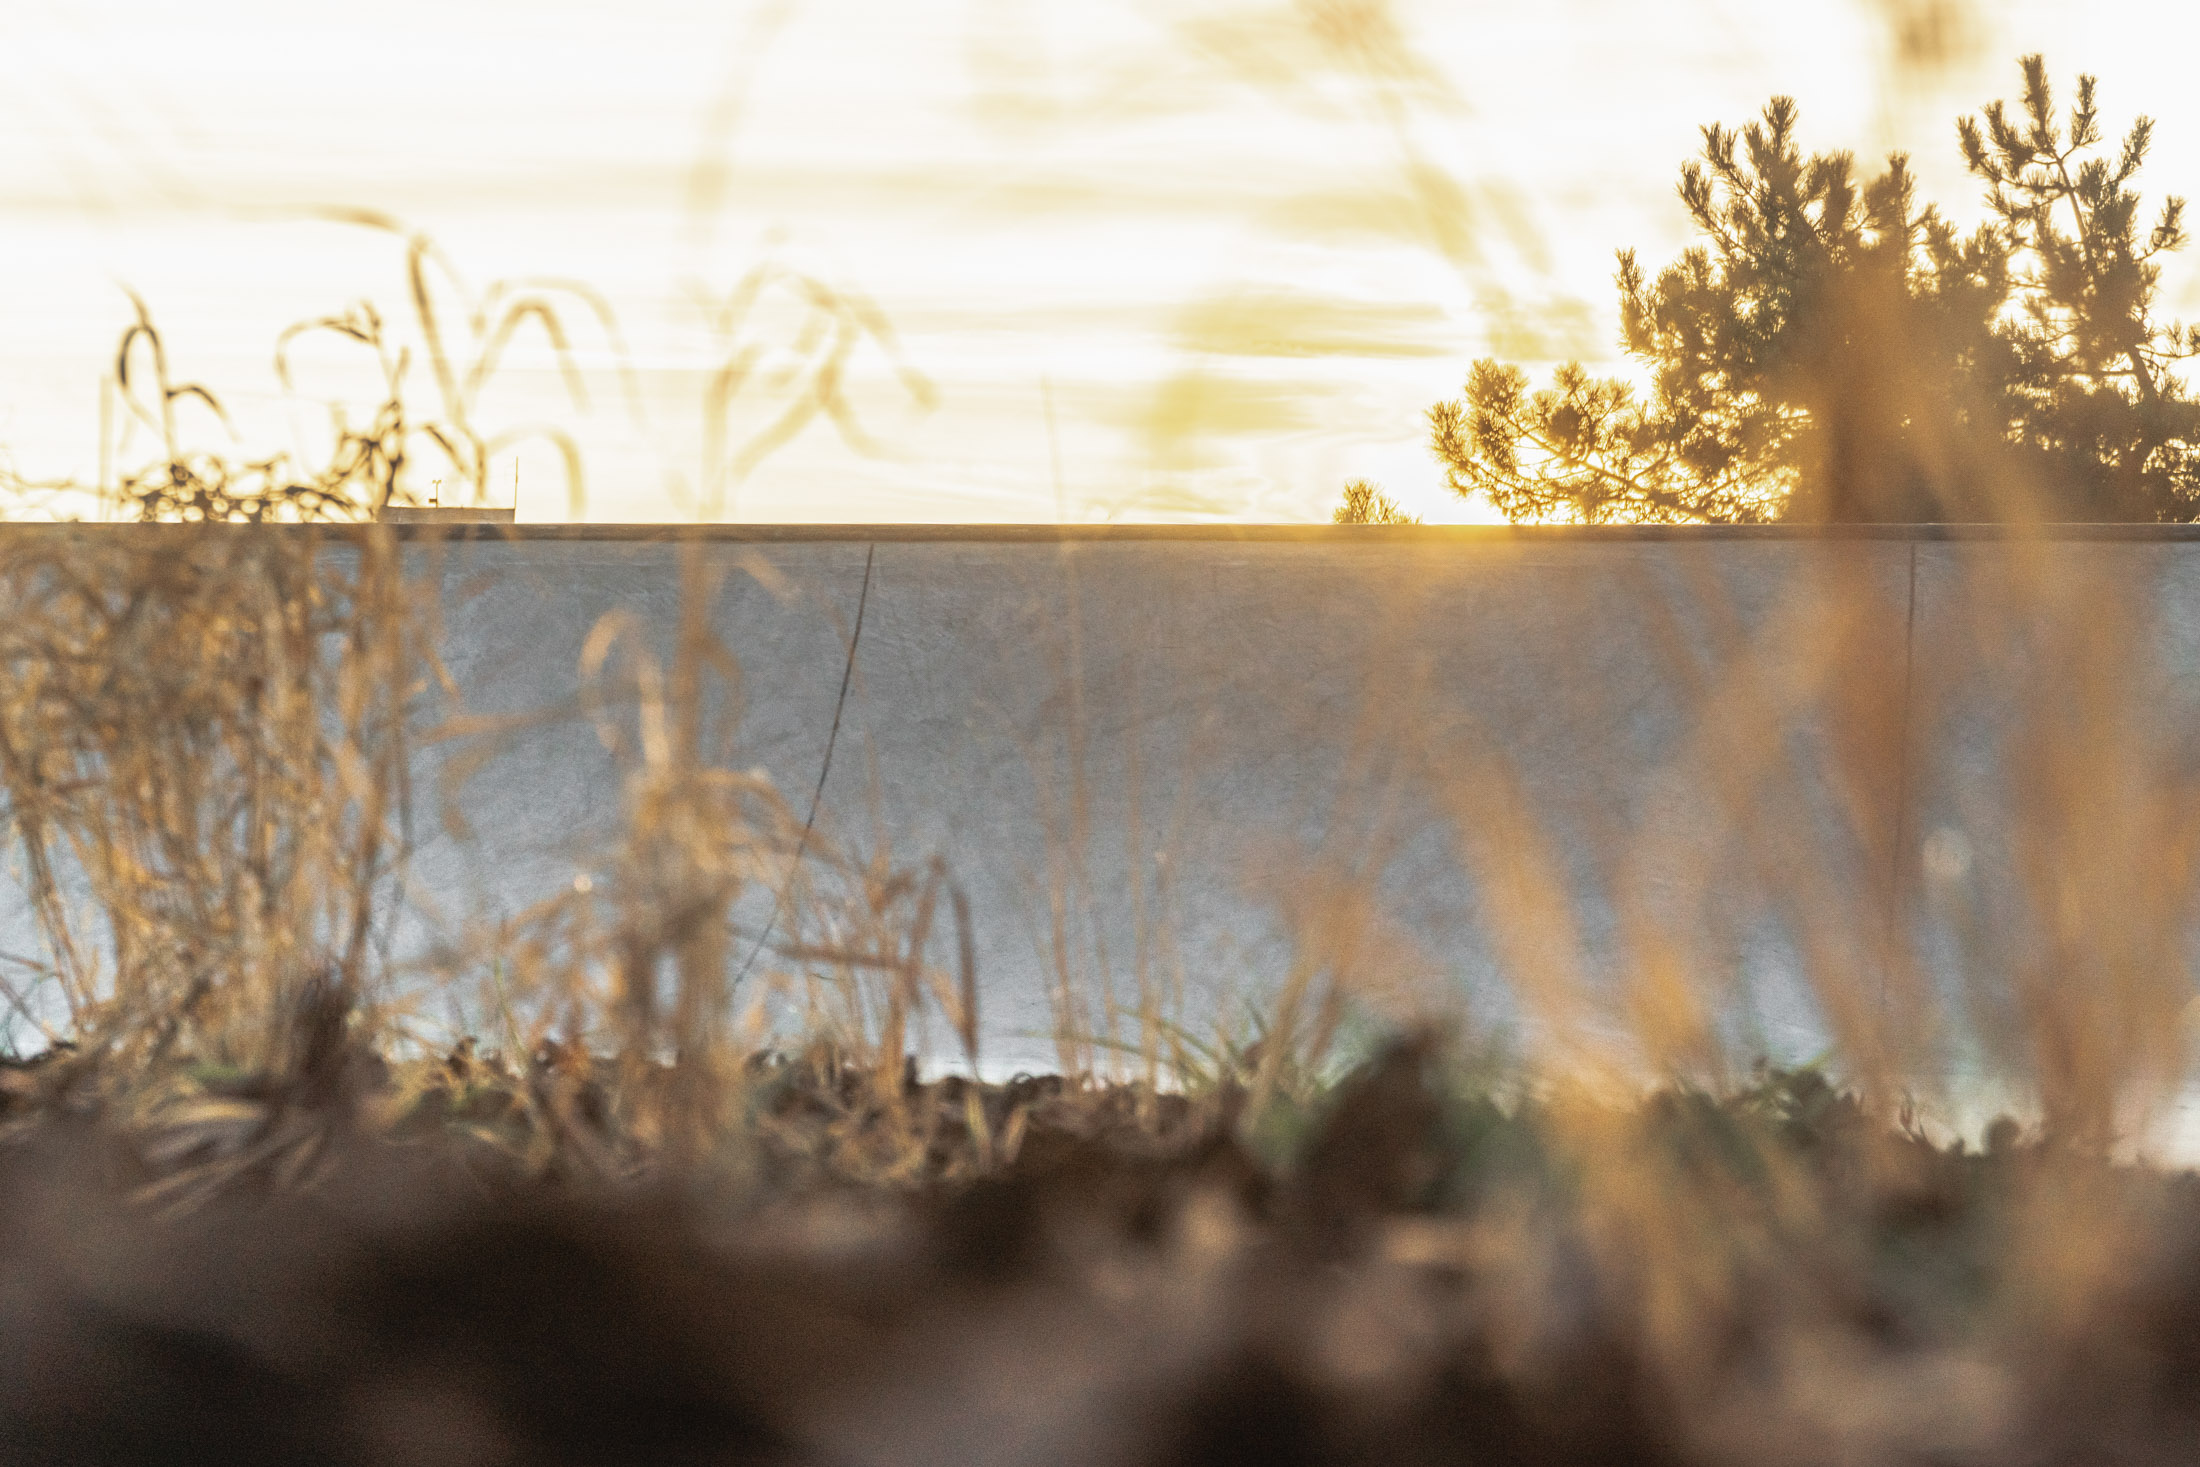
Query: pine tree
1837	352
2094	391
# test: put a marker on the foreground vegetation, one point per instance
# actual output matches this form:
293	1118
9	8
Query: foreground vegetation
470	1259
665	1188
257	1208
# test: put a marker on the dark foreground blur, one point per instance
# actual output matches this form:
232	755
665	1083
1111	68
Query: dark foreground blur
457	1261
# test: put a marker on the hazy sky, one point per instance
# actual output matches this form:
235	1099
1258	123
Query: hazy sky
1126	260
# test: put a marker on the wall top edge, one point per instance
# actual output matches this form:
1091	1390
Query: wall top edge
1013	534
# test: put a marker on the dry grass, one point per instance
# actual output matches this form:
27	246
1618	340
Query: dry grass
726	1220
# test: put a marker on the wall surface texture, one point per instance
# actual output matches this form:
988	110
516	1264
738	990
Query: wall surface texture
1753	789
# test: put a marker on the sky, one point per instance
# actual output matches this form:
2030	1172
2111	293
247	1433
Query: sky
975	260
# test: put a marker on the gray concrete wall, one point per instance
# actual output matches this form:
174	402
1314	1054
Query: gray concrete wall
1173	755
1177	757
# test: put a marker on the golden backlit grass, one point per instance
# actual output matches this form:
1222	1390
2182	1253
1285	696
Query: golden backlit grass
208	735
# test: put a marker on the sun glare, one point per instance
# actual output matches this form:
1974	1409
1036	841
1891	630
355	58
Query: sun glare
1120	262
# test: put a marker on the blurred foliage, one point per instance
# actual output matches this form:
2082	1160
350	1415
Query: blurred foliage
1406	1268
1836	352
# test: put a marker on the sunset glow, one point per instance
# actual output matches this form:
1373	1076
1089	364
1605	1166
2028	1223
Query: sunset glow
1118	262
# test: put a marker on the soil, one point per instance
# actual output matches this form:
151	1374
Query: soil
1416	1276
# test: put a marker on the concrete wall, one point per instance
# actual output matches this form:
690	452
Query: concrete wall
1177	754
1178	757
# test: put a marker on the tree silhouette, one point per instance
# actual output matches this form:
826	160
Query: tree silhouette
1365	503
1837	352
